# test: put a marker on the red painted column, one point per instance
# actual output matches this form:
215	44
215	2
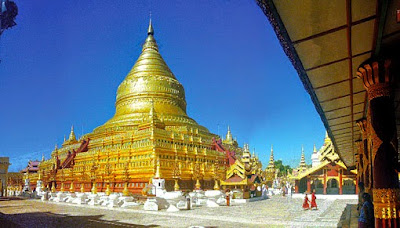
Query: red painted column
357	188
308	185
325	184
296	186
340	182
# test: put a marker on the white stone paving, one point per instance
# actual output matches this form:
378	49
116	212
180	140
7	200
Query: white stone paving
278	211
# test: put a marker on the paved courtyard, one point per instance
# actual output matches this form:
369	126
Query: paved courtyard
275	212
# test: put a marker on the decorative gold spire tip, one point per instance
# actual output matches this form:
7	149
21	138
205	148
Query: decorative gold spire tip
150	31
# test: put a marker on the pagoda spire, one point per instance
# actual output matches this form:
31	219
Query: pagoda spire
72	136
149	78
157	174
315	157
303	159
150	30
271	158
228	135
327	139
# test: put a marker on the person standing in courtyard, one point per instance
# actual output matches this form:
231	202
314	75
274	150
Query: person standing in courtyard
366	219
228	197
306	202
313	200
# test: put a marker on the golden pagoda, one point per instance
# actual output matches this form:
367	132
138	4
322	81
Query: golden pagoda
302	165
271	164
270	170
150	135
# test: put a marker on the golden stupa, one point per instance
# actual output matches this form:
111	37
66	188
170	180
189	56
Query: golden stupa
150	136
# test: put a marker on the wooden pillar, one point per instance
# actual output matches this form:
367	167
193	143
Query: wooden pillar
381	120
365	156
359	164
296	186
325	184
357	188
340	181
308	185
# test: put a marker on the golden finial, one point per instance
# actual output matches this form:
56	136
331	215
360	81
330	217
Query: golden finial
157	175
150	31
315	149
72	136
327	139
229	135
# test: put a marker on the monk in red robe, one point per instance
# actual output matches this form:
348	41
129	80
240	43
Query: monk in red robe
306	204
313	202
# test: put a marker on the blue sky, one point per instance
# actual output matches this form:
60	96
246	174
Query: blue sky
61	66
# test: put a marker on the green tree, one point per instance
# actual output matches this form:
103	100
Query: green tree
283	169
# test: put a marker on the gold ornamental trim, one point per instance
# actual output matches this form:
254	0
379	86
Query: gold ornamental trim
379	90
376	78
363	125
386	203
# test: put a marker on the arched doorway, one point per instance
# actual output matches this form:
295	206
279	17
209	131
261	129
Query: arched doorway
303	185
332	187
318	186
349	187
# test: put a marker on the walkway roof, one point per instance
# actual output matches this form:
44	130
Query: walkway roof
326	42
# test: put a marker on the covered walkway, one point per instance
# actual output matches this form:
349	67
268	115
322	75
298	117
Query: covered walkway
347	55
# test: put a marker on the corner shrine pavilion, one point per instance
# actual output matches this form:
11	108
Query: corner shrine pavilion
327	174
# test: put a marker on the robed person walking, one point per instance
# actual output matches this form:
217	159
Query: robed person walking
306	202
313	200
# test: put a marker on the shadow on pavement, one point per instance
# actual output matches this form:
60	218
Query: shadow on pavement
349	218
48	219
11	198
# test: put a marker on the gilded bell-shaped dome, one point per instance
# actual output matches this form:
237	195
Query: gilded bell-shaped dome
150	83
